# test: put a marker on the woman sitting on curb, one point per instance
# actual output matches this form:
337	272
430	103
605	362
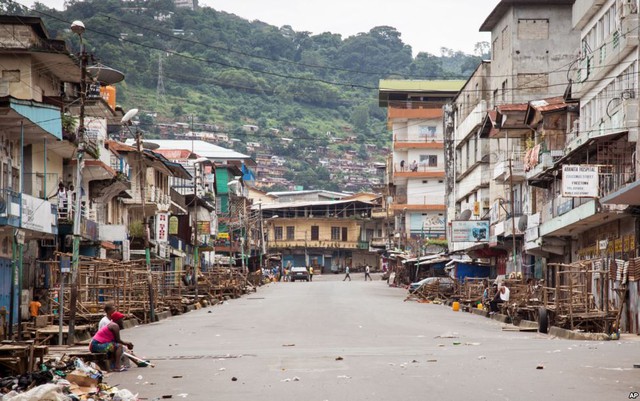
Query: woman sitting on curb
107	341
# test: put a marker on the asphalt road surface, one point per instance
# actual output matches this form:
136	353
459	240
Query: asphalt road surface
334	340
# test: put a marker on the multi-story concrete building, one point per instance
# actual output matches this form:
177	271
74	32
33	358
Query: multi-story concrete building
34	68
327	235
533	45
417	165
466	157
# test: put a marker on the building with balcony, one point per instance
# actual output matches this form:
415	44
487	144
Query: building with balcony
467	189
32	148
327	235
417	165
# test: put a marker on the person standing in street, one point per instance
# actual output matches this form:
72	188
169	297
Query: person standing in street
34	308
346	275
366	273
310	273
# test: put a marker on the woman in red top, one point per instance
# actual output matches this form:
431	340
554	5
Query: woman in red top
107	341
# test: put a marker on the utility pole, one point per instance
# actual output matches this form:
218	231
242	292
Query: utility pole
196	257
78	28
145	222
513	215
262	245
243	232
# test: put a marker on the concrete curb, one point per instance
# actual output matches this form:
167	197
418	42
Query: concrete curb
576	335
553	330
163	315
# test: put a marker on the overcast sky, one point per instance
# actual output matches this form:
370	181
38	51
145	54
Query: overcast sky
426	25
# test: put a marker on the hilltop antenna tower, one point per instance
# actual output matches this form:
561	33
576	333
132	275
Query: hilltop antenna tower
160	92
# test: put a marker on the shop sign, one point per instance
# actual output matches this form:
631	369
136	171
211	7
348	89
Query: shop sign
470	231
580	181
173	225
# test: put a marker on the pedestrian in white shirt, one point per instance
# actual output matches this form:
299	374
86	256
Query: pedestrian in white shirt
106	319
502	295
366	273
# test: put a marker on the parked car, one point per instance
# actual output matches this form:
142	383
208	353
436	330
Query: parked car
299	273
445	283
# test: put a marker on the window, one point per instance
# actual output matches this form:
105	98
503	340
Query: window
533	29
15	179
11	75
432	161
504	42
533	83
504	90
427	131
291	233
494	48
344	234
5	176
369	234
40	186
429	160
315	233
277	233
335	233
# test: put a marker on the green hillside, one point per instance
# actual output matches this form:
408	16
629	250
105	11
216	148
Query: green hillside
221	72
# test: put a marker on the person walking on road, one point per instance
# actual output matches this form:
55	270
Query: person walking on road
366	273
346	275
310	273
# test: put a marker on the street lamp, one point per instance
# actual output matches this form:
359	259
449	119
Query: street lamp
77	27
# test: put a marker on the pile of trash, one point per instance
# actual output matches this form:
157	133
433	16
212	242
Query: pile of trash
62	379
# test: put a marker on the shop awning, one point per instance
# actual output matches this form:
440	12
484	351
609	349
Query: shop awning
39	117
628	195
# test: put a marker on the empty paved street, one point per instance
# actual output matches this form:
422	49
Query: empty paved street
334	340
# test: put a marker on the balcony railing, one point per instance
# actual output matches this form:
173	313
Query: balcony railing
153	196
505	169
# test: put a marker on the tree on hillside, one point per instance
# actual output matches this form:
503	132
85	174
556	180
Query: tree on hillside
426	65
360	118
381	49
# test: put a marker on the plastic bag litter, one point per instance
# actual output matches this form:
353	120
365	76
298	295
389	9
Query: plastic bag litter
124	395
49	392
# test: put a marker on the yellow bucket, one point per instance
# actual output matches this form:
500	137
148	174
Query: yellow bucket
480	306
456	306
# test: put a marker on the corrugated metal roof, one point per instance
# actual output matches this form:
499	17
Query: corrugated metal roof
201	148
512	107
310	203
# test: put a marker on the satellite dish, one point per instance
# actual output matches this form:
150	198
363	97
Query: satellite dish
127	117
465	215
105	75
522	222
150	145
